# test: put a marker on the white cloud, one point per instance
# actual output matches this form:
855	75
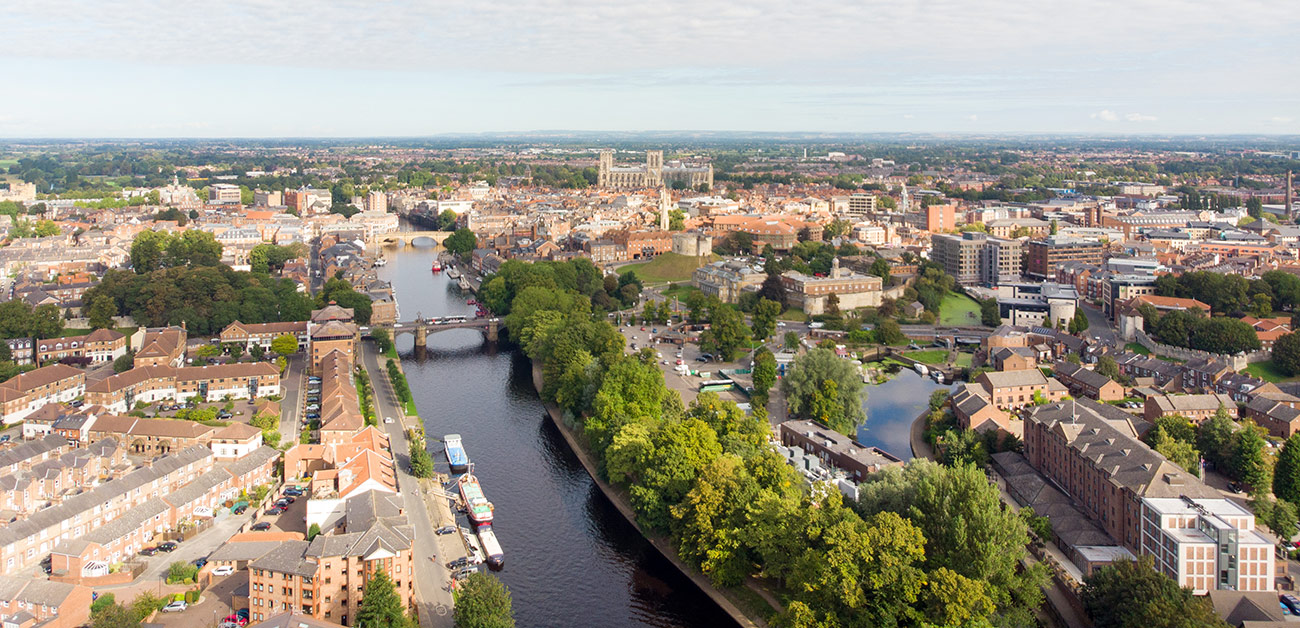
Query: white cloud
1105	115
1138	117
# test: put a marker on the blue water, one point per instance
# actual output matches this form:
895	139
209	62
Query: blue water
891	407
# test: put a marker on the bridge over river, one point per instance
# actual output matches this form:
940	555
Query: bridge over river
422	327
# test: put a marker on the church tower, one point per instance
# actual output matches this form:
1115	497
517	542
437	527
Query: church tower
664	202
606	165
654	168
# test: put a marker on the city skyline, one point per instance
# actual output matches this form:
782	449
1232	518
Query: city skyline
353	69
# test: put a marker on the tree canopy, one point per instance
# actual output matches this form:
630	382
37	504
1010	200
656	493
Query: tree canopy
483	602
381	607
1132	594
823	387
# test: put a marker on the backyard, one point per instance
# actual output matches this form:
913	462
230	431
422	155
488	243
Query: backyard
959	310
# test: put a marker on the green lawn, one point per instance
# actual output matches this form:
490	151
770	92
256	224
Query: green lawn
410	408
1267	371
680	291
929	356
959	309
964	360
793	314
1137	348
667	267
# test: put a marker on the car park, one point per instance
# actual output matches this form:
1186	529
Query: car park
224	570
261	525
175	607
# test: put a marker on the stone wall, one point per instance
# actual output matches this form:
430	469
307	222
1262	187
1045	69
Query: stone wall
1235	362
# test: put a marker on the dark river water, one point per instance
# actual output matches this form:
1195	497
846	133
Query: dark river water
891	408
570	558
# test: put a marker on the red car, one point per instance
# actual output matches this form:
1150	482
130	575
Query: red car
238	620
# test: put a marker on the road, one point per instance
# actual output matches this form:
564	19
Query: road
292	385
431	551
1099	327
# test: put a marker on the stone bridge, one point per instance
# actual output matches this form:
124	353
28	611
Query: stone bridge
406	238
421	328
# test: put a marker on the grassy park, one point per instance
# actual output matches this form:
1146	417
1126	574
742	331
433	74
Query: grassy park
667	267
959	310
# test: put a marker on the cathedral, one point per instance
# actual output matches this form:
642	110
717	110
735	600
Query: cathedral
652	174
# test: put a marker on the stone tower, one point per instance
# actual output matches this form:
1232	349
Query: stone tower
654	168
664	202
606	165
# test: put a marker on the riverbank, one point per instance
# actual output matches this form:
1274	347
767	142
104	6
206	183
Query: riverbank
662	544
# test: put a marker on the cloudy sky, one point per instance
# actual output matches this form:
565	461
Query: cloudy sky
184	68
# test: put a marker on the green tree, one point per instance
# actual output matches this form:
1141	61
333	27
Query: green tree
1286	354
1286	473
462	242
888	332
790	341
286	344
1250	463
114	616
880	268
101	312
1214	438
313	531
1107	366
1181	453
764	374
804	388
1132	594
990	315
1079	323
381	607
483	602
764	318
726	332
382	339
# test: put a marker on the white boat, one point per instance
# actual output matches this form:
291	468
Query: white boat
381	262
937	375
491	548
920	368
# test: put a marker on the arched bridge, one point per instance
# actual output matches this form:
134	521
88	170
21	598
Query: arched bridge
422	327
407	238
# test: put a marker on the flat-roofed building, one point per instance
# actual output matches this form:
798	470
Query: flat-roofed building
835	449
1207	544
1044	255
974	258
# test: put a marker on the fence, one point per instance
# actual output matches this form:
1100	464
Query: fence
1235	362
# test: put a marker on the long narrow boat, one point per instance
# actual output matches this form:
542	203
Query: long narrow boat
491	548
456	455
480	509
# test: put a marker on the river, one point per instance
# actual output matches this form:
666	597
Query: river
891	407
571	558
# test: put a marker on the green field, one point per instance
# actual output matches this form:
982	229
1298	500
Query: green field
929	356
959	309
1137	348
964	360
793	314
1267	371
667	267
679	291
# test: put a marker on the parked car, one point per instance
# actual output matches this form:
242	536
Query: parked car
458	563
466	572
388	419
200	562
4	439
445	530
149	551
1234	487
294	491
175	607
701	359
224	570
236	619
313	415
312	406
239	510
167	546
261	525
274	510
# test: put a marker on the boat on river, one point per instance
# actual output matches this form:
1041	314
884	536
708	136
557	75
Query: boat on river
456	455
491	548
476	504
437	266
920	368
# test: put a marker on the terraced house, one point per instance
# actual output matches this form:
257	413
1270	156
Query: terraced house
249	334
101	345
23	394
148	384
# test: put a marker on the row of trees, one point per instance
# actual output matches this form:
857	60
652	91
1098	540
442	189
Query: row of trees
1234	295
398	378
705	476
1194	330
579	276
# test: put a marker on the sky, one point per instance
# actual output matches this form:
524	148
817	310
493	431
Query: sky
370	68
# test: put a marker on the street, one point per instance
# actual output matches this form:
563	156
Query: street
292	385
431	551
